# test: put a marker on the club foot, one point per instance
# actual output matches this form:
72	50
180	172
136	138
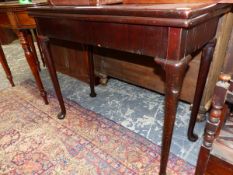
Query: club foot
92	94
192	137
61	115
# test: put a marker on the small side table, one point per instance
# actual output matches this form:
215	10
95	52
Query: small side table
14	16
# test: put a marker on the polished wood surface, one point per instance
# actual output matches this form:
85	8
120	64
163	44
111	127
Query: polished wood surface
166	1
14	16
170	38
83	2
174	1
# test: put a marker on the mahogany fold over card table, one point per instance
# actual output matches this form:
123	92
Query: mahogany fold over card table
14	16
170	34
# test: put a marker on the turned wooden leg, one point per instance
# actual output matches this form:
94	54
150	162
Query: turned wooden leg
91	71
39	46
6	67
212	126
33	49
175	71
23	35
44	41
206	58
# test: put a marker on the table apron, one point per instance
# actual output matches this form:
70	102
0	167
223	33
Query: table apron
155	41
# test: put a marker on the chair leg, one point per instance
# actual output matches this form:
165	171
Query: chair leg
212	126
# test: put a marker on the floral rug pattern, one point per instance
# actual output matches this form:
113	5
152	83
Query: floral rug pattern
34	141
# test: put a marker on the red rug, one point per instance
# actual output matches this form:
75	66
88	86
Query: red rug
33	141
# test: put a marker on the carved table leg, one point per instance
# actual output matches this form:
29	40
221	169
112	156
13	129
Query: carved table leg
44	41
23	35
212	126
206	59
91	71
33	49
39	46
6	67
175	71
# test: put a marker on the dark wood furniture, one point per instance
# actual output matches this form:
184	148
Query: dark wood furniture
6	67
167	1
83	2
173	1
216	153
69	56
7	36
142	70
168	33
14	16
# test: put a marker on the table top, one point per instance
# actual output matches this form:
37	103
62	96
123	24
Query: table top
179	15
188	10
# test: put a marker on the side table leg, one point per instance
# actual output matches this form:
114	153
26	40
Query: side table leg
175	72
6	67
91	71
44	41
206	58
39	46
22	34
33	49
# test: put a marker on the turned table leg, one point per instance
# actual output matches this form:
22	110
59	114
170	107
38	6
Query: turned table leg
206	58
175	71
44	41
23	35
6	67
91	71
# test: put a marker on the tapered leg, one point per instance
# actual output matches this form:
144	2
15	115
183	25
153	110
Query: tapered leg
39	46
207	55
91	71
175	72
23	35
44	41
33	49
6	67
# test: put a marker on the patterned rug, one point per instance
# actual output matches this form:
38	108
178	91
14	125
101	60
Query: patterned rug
34	141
